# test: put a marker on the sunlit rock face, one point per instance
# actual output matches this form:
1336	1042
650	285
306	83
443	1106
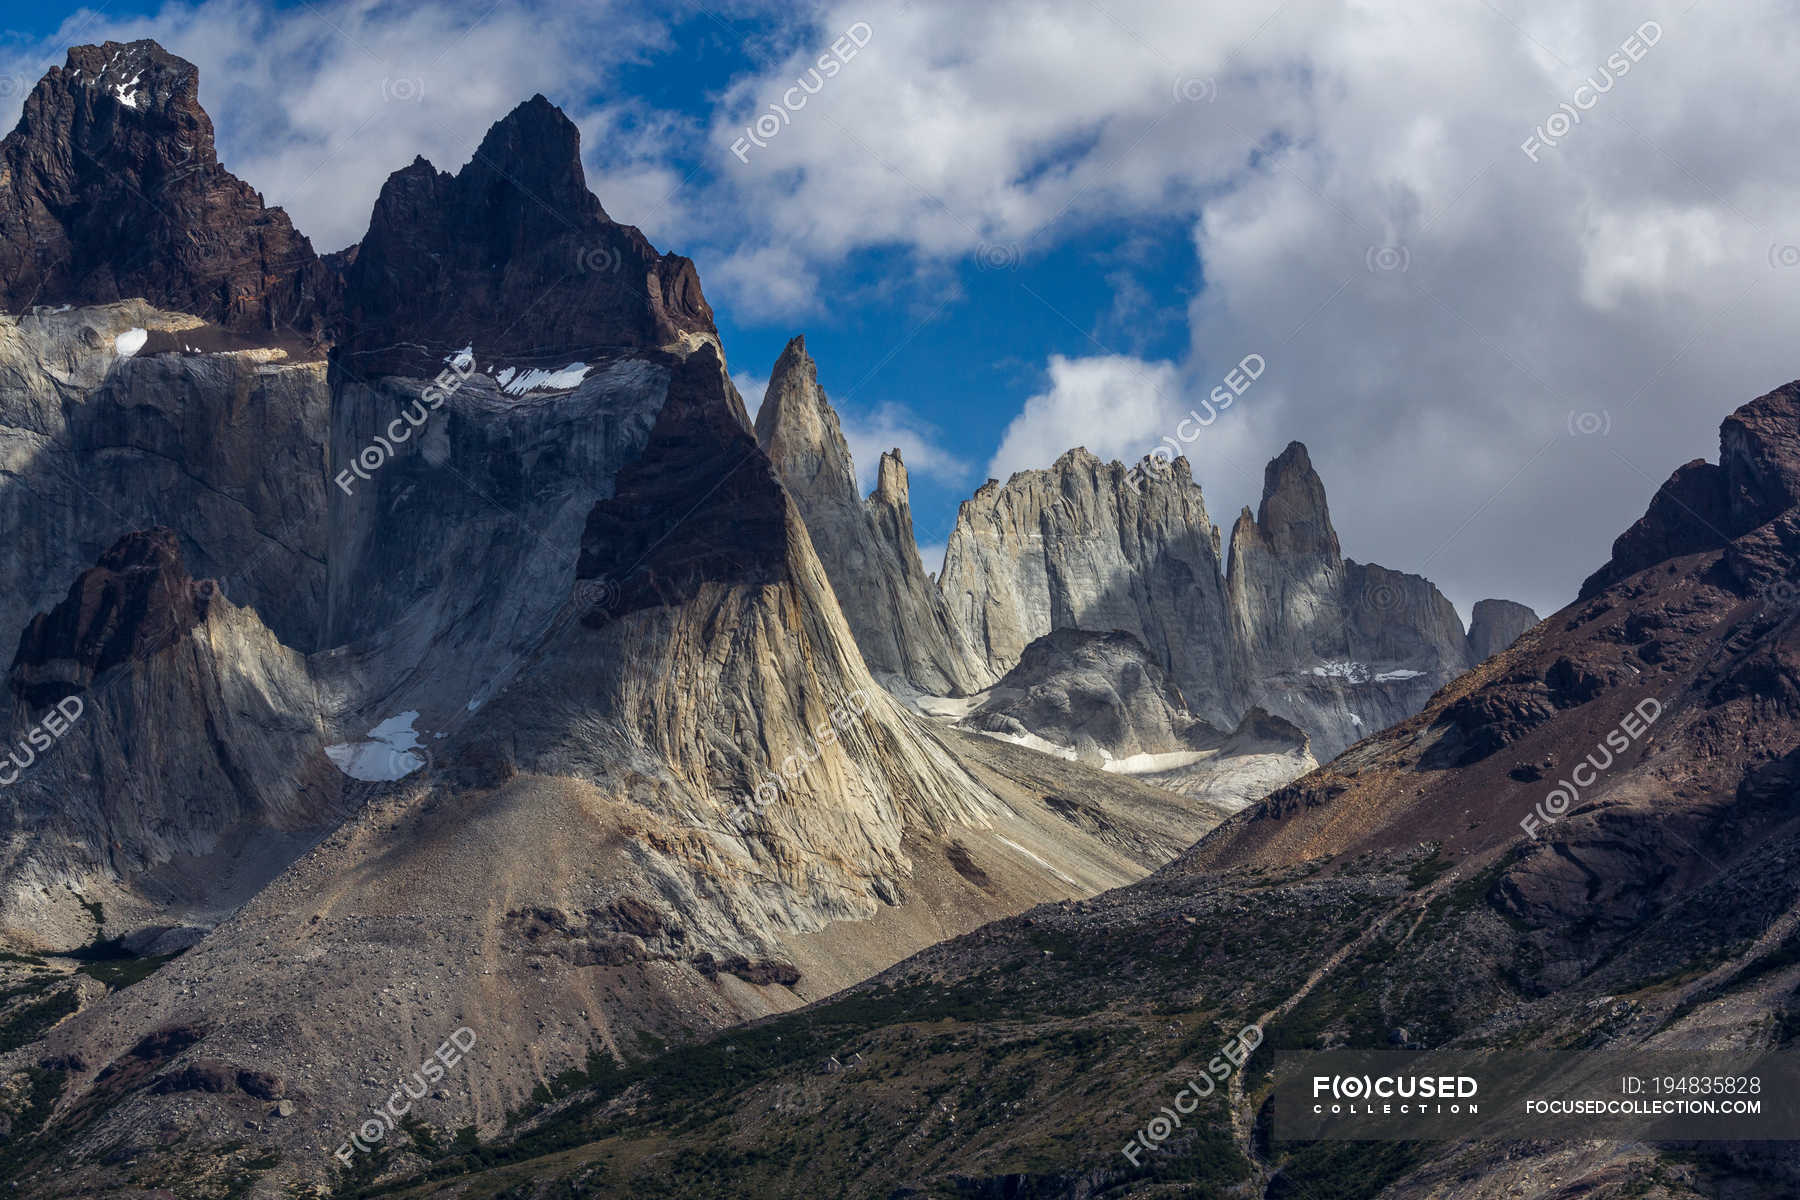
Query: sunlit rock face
900	619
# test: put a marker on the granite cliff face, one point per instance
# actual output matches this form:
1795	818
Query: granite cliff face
1088	545
113	190
192	762
1337	647
1496	624
902	625
112	419
1340	648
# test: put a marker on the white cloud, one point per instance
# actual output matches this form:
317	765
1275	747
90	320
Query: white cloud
1433	303
316	106
752	388
921	447
765	282
1118	407
1636	269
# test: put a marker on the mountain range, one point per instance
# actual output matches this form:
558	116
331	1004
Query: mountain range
423	640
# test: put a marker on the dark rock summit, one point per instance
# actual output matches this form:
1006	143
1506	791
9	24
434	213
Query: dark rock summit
136	601
113	189
1704	506
514	256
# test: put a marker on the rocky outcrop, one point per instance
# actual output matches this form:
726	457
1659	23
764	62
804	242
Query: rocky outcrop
227	447
1092	545
900	620
1705	506
514	257
1100	695
1495	625
113	190
1101	698
189	763
136	601
1337	647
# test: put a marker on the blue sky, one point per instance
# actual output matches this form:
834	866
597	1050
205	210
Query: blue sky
1011	228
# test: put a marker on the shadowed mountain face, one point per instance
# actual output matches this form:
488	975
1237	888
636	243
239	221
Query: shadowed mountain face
1590	842
193	759
511	255
114	190
136	601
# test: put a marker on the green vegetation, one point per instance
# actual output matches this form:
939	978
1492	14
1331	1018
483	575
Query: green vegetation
28	1119
27	1022
117	973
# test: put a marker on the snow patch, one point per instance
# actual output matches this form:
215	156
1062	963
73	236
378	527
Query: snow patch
390	752
1355	672
130	342
1034	858
536	379
1034	742
948	708
1149	764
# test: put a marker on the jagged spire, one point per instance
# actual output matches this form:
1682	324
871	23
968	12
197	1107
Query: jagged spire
1294	516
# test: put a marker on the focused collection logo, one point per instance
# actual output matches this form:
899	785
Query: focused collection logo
1394	1095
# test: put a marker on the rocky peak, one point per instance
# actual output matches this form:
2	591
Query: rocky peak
537	149
891	486
1759	450
798	429
1294	517
1702	506
514	257
900	621
1495	625
115	191
145	78
138	599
